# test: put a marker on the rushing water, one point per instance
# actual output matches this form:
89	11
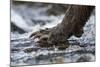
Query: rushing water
31	18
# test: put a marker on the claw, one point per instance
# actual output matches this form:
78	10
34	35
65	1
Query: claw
38	35
33	34
43	39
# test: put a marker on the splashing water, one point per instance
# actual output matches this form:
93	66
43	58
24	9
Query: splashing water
30	19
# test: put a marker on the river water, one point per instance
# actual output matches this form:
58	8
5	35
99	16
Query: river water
31	17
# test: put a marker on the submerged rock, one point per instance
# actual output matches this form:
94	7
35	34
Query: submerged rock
29	50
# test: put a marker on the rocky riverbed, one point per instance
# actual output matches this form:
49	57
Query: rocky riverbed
24	52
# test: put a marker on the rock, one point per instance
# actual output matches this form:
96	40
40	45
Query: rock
29	50
15	50
86	58
59	60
